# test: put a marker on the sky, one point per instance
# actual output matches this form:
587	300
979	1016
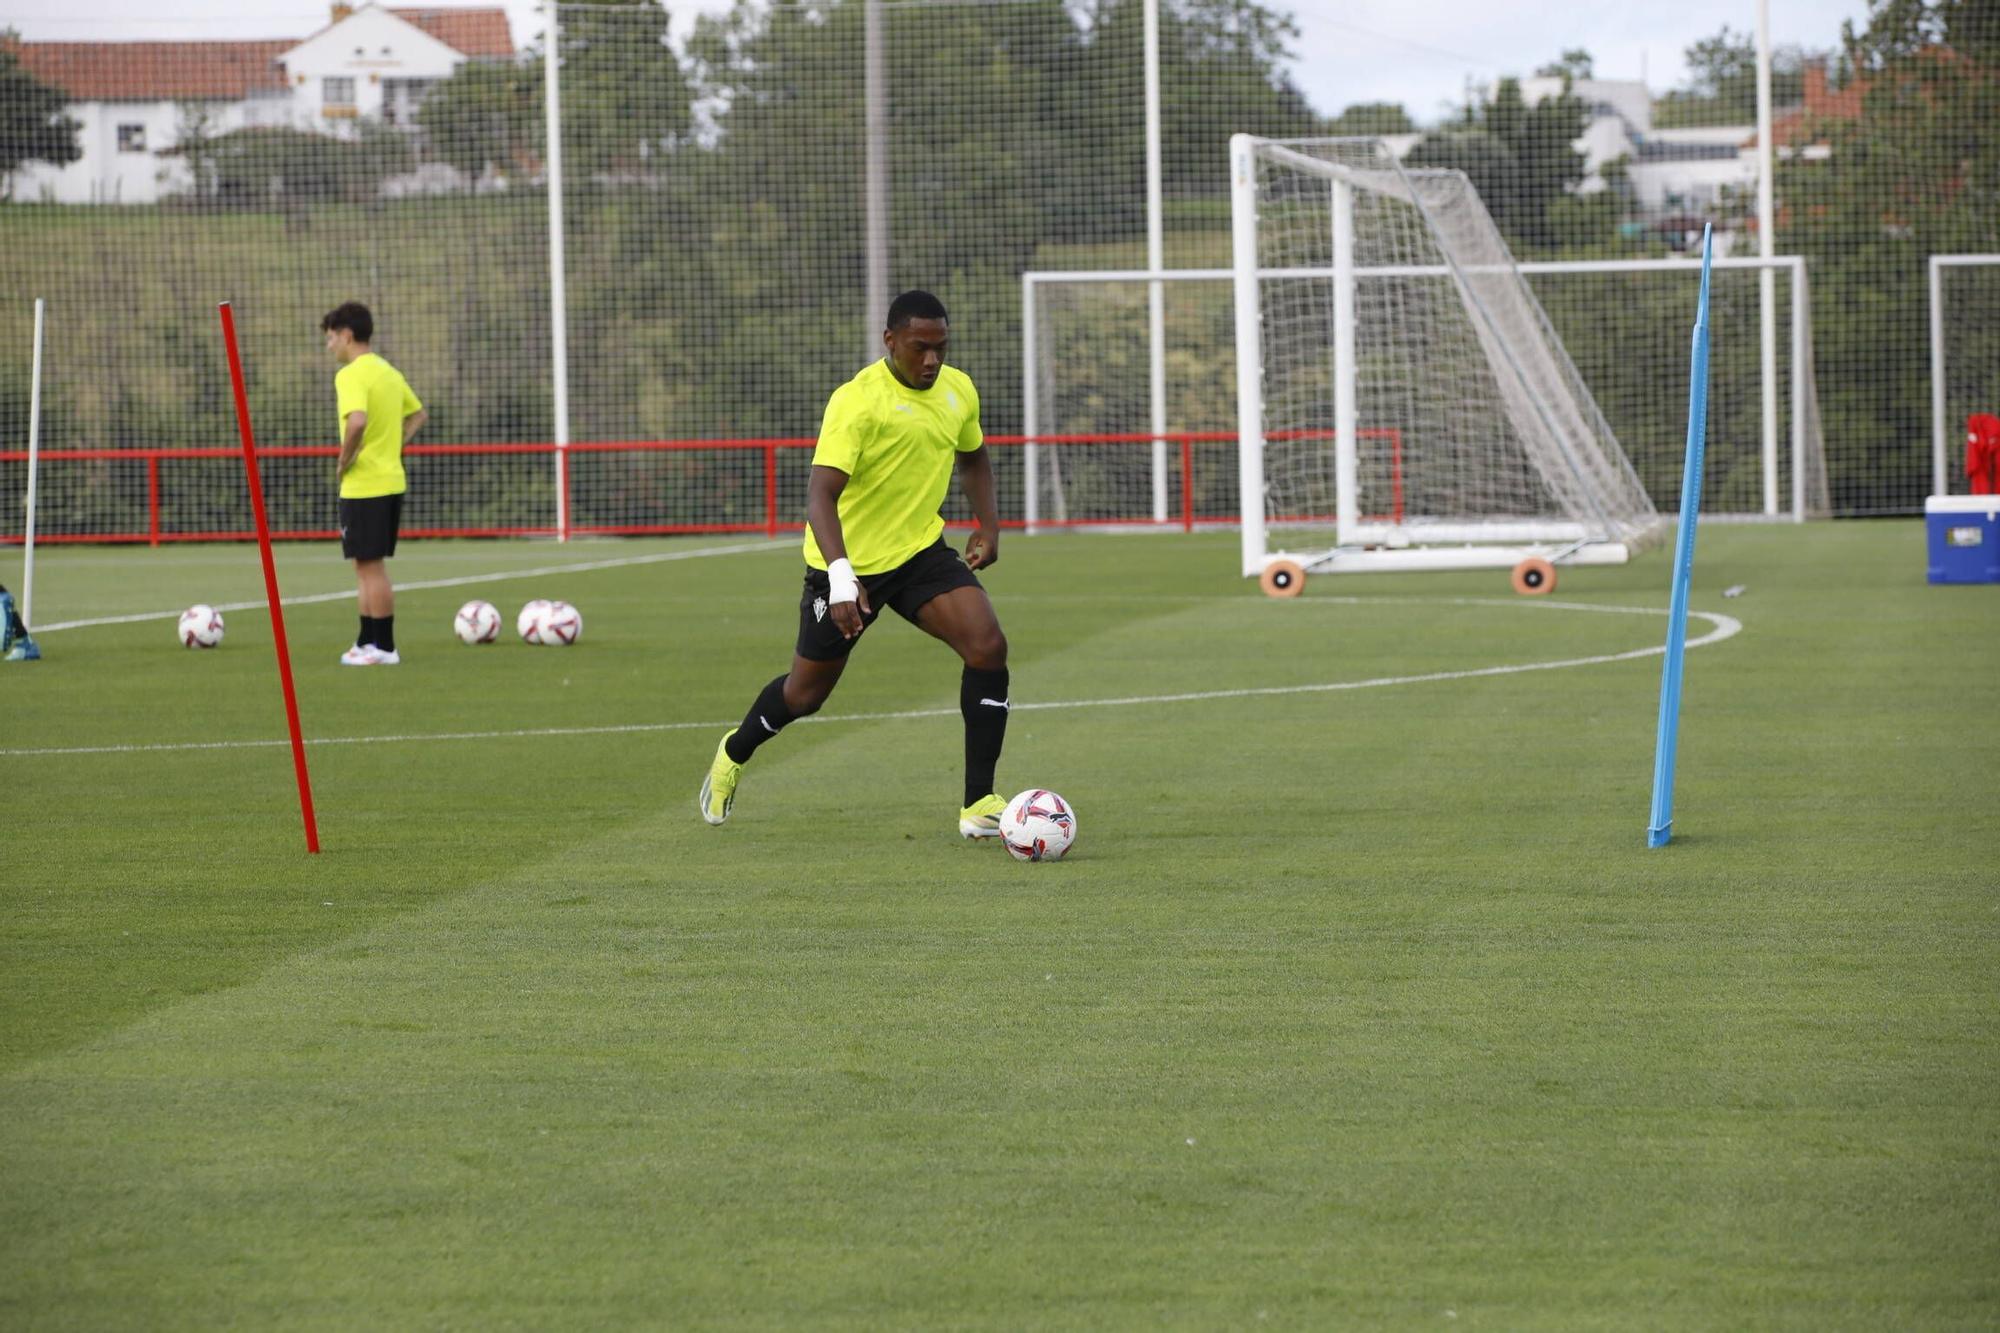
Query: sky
1421	53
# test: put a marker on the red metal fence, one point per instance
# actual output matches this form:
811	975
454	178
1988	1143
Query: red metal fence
155	496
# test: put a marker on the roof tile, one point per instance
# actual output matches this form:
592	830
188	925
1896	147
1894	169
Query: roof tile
155	71
479	33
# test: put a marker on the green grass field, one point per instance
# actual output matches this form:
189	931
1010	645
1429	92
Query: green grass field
1357	1005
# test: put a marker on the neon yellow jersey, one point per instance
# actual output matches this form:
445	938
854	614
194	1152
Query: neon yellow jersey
897	446
370	384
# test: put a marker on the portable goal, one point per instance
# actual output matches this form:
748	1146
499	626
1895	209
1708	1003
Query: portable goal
1395	371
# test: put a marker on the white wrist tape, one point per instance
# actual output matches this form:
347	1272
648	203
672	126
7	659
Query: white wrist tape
842	585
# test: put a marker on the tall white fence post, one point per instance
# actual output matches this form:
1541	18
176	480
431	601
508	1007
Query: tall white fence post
558	291
1156	292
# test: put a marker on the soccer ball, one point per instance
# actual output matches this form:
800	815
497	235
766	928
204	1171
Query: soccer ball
476	622
1038	825
529	622
562	626
201	626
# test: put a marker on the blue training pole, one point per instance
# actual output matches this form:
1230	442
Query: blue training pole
1662	826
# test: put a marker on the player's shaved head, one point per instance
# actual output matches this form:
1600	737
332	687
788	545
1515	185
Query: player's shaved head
915	305
916	338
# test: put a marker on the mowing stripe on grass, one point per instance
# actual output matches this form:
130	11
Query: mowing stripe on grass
656	558
1725	627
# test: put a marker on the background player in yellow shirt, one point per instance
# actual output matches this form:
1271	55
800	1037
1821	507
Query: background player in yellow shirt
874	537
378	416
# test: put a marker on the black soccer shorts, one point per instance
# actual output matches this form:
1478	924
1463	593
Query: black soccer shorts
368	527
935	569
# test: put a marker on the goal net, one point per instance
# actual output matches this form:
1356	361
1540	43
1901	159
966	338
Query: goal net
1402	400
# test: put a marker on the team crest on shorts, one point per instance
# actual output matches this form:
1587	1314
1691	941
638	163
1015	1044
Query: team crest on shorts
819	608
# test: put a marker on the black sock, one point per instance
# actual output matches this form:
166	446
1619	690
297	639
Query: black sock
766	718
982	699
367	634
385	633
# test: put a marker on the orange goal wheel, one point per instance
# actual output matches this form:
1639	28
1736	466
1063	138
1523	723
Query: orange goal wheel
1282	578
1534	576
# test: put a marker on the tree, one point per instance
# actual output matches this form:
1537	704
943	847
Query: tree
1522	159
33	127
1722	82
1372	118
486	117
1222	62
280	167
1570	66
1014	128
196	130
1916	173
626	100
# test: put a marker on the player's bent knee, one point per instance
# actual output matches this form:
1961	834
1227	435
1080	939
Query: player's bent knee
987	651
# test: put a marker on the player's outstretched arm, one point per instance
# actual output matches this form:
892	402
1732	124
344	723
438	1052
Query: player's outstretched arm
975	473
823	488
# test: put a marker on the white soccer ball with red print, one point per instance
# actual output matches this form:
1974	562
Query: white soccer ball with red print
476	622
529	623
562	625
1038	825
201	626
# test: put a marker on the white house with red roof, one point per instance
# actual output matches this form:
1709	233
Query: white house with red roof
136	101
379	62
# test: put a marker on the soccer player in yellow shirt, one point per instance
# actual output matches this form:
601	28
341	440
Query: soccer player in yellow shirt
874	538
378	416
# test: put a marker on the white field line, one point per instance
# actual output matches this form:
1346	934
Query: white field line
1724	627
656	558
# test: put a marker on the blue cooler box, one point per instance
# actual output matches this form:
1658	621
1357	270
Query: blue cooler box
1964	535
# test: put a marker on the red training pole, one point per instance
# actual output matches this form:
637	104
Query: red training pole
270	577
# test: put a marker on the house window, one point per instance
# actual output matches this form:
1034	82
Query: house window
131	138
338	95
402	97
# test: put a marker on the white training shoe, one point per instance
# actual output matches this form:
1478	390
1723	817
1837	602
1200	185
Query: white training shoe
367	654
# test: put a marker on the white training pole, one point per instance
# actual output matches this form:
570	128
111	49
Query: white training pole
34	442
558	293
1767	240
875	179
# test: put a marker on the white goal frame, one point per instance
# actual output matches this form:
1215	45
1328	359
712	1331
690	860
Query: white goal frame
1588	535
1807	498
1942	431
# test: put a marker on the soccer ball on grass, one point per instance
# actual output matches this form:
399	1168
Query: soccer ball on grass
562	626
201	626
529	623
1037	825
476	622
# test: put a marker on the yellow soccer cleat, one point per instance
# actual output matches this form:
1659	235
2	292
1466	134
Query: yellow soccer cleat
718	789
981	819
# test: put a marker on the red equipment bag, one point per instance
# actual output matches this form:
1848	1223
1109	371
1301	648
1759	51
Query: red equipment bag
1982	453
